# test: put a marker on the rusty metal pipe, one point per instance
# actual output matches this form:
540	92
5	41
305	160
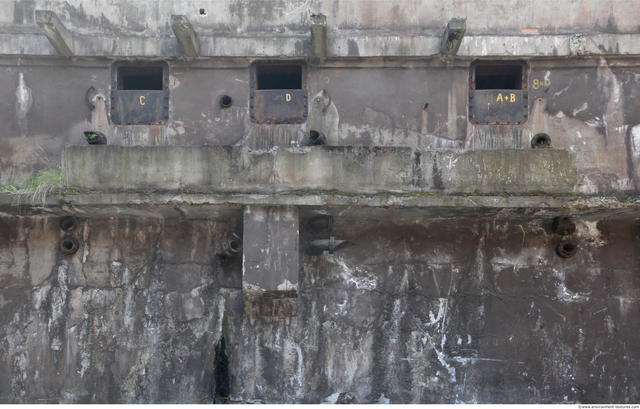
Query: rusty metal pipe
317	247
69	223
541	141
563	226
232	246
68	245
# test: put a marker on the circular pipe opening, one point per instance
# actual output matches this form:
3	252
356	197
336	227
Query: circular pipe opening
226	101
69	223
234	246
566	249
68	245
541	141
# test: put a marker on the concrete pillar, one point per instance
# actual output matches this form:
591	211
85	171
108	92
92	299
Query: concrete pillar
270	261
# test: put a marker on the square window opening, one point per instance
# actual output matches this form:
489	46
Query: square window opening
499	76
278	77
140	77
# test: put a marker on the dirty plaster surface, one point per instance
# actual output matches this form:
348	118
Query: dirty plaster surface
420	311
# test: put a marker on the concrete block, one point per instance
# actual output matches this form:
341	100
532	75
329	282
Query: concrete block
270	261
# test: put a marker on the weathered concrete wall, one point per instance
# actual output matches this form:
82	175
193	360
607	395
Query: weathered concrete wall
360	170
418	311
590	109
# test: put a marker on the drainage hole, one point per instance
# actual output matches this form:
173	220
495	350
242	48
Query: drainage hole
226	101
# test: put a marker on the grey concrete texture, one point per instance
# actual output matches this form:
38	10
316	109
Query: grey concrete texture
422	311
355	170
588	105
355	28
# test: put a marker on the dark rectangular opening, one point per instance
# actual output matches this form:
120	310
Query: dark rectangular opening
498	76
278	77
140	77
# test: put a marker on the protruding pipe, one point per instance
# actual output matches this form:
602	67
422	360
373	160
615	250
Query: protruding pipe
56	32
563	226
541	141
319	35
68	245
185	35
232	246
316	247
320	223
453	35
566	249
317	138
69	223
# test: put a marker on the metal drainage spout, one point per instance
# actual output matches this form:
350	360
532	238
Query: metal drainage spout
317	247
317	138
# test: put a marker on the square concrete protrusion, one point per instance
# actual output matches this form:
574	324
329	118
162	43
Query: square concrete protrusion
270	261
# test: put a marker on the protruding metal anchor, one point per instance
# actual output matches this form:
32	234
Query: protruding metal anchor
317	247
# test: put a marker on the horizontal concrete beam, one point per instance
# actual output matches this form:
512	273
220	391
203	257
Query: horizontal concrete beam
350	170
56	32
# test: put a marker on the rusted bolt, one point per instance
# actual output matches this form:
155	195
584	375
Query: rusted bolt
566	249
563	226
69	223
68	245
541	141
226	101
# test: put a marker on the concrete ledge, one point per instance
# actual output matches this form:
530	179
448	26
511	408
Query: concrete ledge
408	207
344	169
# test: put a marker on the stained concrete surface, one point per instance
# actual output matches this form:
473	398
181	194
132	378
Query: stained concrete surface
419	311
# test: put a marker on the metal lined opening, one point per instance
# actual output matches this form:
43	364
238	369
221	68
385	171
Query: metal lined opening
278	77
498	76
68	245
226	101
566	249
68	223
140	77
